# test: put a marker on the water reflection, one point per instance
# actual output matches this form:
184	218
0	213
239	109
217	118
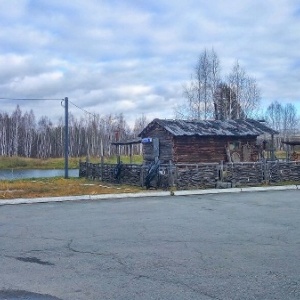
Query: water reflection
35	173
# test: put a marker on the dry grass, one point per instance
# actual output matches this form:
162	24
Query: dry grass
17	162
55	187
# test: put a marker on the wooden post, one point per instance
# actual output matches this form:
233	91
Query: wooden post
130	153
273	148
118	153
142	176
288	152
80	167
87	166
222	171
175	176
66	138
102	162
171	178
266	173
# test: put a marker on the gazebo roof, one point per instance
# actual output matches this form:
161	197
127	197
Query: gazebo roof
127	142
293	140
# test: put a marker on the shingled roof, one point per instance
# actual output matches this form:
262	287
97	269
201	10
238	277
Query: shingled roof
247	127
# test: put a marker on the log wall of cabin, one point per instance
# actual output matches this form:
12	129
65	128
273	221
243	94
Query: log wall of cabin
192	149
165	145
195	149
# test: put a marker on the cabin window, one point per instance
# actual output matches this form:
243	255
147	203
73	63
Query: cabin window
234	146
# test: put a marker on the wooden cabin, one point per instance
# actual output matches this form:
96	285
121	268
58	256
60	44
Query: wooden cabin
208	141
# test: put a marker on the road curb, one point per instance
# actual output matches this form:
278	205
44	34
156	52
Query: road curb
83	198
208	191
145	194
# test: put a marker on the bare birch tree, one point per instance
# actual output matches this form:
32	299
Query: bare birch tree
15	130
206	92
3	133
139	124
28	129
251	97
274	115
215	79
200	90
246	91
225	103
290	120
44	145
282	118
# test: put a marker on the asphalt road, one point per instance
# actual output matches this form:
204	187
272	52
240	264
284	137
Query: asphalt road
220	246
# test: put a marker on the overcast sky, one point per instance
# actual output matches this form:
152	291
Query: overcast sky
133	56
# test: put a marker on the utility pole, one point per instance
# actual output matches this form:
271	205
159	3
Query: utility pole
66	137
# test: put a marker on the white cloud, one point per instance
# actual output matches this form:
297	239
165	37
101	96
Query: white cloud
134	56
37	85
12	9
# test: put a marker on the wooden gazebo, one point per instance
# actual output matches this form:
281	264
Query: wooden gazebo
129	143
291	143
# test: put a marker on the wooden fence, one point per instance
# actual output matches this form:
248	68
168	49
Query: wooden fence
195	176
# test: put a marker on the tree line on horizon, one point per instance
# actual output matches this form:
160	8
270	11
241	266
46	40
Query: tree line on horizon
21	134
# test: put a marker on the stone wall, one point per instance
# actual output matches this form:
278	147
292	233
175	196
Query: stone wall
243	173
196	176
130	174
278	172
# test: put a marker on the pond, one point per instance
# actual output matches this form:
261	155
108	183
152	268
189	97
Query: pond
35	173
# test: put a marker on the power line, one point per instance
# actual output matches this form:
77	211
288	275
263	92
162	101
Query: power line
46	99
30	99
87	112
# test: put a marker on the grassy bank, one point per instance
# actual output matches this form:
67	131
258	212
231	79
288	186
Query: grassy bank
35	163
55	163
57	187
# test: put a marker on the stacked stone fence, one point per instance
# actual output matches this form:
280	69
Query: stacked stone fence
199	176
195	176
281	172
244	173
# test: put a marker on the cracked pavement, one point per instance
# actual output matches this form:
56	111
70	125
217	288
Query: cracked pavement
221	246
